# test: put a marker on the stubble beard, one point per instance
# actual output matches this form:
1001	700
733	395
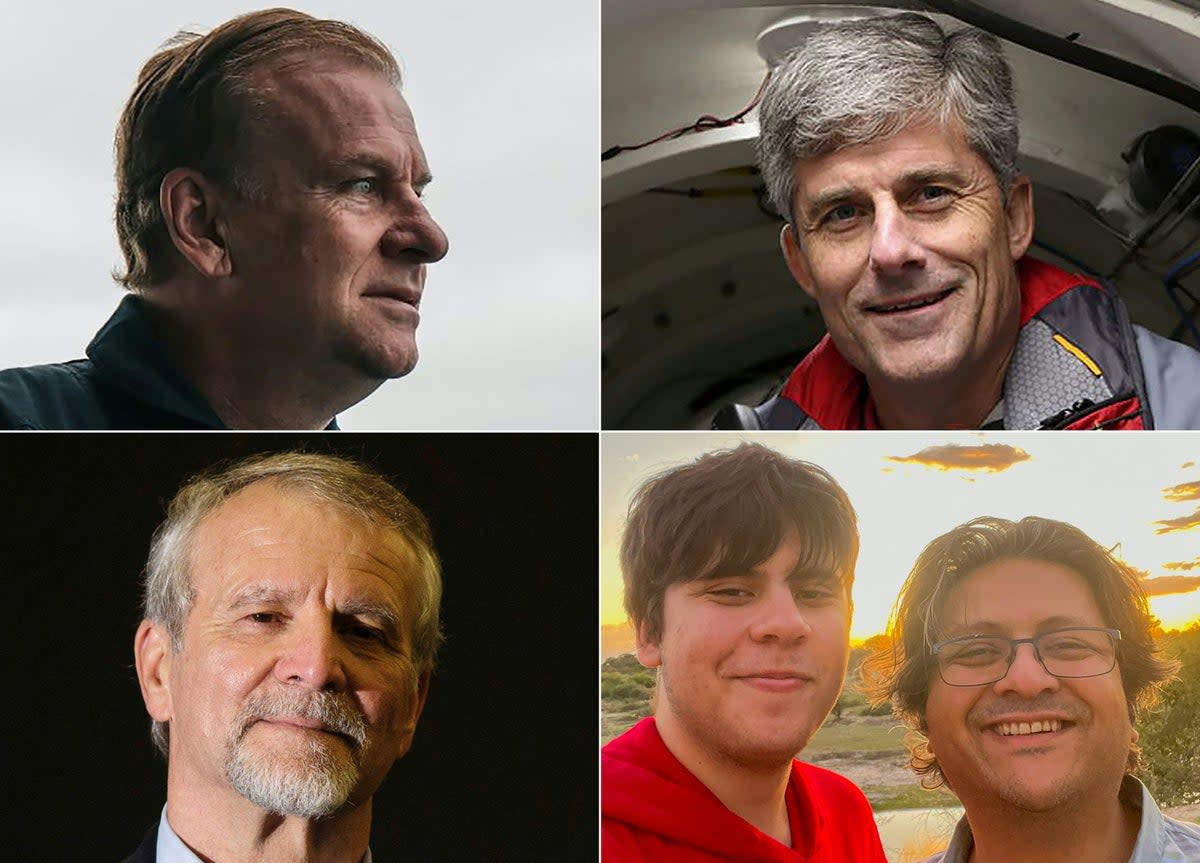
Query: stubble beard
730	744
317	774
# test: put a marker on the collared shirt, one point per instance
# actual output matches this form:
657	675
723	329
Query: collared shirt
128	381
1160	839
170	848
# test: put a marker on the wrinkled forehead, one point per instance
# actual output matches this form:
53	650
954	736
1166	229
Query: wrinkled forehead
270	527
1014	595
324	107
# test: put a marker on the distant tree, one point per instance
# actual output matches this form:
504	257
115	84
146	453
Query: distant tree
1170	736
626	663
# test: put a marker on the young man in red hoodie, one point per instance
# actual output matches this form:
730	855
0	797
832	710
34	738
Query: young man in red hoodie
738	569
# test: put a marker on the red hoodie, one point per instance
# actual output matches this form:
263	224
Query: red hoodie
654	810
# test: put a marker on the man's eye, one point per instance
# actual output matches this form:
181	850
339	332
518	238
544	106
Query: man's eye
729	593
363	186
363	632
932	194
264	617
841	213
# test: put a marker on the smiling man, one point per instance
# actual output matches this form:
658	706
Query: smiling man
291	625
890	147
1022	654
738	569
269	209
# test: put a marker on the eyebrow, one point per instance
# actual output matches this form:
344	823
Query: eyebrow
801	572
922	176
264	594
989	627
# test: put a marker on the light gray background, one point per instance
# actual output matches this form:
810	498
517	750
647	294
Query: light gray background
506	101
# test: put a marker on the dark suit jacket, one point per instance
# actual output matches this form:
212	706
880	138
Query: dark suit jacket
148	850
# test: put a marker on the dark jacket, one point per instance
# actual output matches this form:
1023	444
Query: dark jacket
1078	364
147	852
126	382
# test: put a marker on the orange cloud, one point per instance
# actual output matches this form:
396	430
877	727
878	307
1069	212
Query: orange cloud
1183	491
1187	464
1184	565
991	458
1171	584
1184	522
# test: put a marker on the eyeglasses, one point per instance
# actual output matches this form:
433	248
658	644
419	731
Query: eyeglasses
976	660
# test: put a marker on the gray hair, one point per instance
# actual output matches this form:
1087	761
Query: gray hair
345	484
864	81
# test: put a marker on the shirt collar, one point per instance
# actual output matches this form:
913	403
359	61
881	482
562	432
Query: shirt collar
1151	841
170	848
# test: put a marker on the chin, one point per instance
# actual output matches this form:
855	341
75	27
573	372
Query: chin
381	362
920	367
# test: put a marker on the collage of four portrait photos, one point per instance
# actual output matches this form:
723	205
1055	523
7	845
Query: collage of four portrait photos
399	398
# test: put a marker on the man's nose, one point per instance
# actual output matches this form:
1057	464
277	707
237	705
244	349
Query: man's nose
414	234
1026	676
894	245
312	657
779	617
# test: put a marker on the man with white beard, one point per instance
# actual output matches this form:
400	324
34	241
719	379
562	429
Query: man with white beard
291	625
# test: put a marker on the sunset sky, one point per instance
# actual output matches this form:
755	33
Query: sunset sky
1139	492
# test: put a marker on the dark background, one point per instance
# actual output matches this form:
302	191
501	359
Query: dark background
504	763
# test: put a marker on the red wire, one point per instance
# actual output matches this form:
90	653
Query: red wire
703	123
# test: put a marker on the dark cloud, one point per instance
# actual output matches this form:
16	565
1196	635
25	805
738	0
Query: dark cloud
1171	584
991	458
1183	565
1183	491
1184	522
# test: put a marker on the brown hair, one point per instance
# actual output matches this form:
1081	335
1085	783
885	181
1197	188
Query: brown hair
194	106
900	670
726	512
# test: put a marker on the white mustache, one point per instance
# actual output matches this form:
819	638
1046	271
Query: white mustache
332	711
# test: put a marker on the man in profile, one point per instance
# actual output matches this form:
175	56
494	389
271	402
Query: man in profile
890	147
1021	655
269	181
291	626
738	569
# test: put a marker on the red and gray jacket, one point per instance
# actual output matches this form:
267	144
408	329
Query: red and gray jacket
1078	364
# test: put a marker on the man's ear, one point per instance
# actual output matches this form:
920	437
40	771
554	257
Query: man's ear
1020	216
410	726
191	208
797	263
647	651
152	654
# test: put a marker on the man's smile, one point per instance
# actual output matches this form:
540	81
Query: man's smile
910	304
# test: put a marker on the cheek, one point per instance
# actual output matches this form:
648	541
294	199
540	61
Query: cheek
945	710
836	269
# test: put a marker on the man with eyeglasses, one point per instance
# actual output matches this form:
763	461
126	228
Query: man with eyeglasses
1021	654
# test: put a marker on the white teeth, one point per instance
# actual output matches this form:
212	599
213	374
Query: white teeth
1038	726
911	305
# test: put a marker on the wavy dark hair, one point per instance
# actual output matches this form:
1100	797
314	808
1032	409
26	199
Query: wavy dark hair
900	671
